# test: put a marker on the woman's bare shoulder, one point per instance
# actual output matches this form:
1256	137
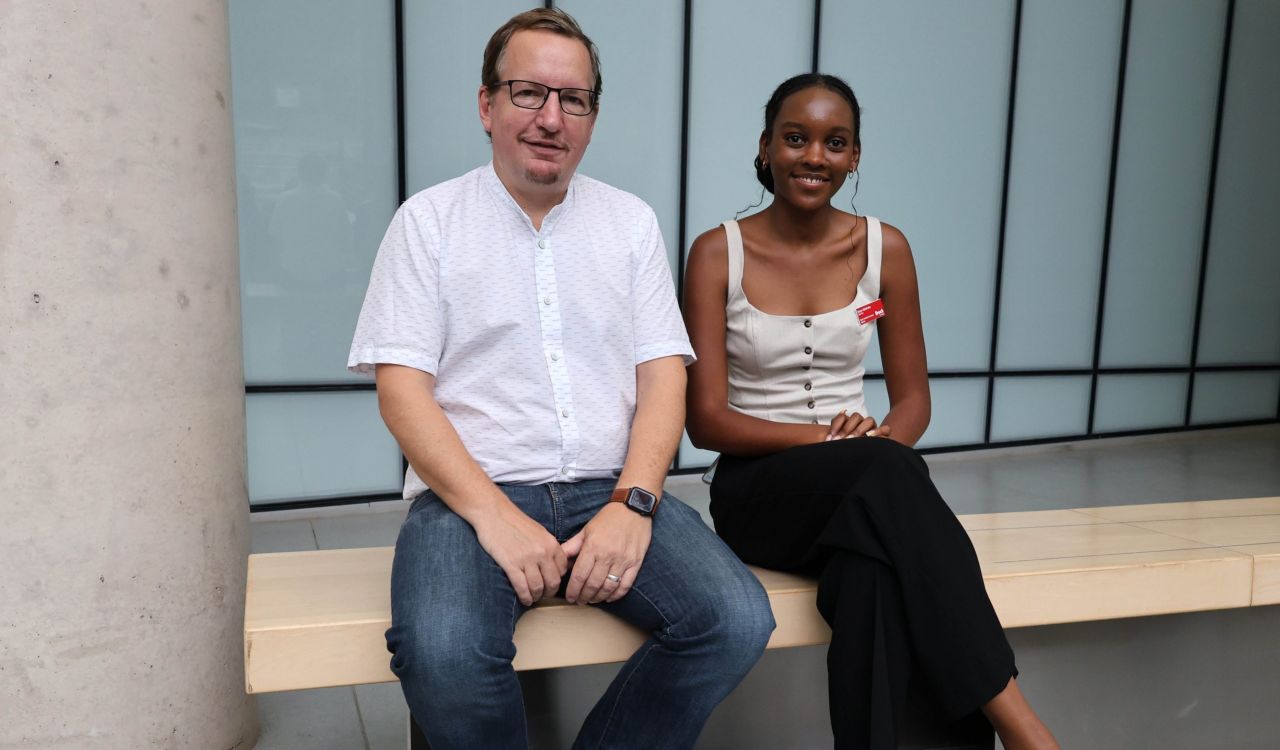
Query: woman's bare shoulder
893	241
712	246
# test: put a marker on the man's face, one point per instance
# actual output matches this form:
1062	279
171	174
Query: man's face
537	148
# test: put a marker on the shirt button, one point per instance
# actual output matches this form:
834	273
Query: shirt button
566	470
810	404
805	367
808	324
815	421
555	358
808	386
542	244
564	413
546	300
808	350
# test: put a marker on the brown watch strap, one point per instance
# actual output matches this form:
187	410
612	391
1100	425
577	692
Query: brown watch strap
620	496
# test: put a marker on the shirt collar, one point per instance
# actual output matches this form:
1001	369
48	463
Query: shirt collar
504	198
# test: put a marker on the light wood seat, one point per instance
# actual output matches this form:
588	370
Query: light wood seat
316	619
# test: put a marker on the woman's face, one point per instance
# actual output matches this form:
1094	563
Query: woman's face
812	150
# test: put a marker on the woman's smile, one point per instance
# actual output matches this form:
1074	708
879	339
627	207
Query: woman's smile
811	180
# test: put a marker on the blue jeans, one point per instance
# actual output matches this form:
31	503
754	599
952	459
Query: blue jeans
453	614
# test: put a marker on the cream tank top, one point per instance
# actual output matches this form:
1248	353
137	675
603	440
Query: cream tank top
798	368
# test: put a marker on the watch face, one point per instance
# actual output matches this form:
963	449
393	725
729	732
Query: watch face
641	500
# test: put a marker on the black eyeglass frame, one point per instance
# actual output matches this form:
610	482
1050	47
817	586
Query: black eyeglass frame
593	96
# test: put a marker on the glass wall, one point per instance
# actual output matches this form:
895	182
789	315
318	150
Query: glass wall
316	164
1084	186
314	108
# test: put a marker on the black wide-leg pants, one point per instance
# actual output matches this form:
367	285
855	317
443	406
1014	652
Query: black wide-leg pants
898	580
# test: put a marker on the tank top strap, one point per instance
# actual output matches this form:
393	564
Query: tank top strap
735	258
870	283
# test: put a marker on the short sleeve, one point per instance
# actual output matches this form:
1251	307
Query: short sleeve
659	329
401	322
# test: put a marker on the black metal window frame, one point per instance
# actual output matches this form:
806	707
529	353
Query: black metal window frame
992	371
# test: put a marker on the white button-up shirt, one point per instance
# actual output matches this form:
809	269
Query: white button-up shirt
533	336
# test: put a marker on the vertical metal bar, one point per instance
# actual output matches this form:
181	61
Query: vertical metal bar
1111	204
683	232
1004	214
684	148
401	189
817	34
401	177
1229	23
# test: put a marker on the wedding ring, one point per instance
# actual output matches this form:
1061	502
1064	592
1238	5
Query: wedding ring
613	578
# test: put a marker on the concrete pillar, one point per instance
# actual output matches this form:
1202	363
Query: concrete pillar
123	511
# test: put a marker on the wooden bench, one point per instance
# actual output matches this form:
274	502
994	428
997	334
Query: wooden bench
316	619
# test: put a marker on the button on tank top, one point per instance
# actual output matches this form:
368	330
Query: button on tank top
798	368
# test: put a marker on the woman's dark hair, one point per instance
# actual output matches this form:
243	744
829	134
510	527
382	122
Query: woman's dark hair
793	85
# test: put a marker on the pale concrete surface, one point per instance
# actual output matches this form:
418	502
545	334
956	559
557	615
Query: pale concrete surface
375	530
282	536
324	719
121	420
1194	681
383	715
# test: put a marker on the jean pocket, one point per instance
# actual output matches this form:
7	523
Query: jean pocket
421	501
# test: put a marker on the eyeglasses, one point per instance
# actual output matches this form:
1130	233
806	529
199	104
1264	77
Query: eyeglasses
532	95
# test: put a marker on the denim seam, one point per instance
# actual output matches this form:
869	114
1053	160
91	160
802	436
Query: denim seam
512	629
555	511
666	630
613	710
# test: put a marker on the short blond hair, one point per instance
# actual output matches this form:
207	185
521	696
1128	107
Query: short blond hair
546	19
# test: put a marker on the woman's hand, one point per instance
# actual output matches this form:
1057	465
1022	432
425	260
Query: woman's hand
855	425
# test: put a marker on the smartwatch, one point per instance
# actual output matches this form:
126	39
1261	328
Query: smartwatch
638	499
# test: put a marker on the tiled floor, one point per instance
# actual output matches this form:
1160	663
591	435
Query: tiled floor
1193	466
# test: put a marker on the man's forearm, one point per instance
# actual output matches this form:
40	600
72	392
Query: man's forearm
657	425
432	446
528	554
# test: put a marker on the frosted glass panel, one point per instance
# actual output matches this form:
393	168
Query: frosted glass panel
1234	396
1162	180
443	50
741	51
313	101
636	144
306	445
876	396
1028	408
1058	176
959	411
933	81
1140	402
1241	322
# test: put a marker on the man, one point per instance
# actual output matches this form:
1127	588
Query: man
530	361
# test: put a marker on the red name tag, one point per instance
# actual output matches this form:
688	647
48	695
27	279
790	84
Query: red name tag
868	313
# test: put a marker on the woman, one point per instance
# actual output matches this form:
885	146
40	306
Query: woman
780	308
